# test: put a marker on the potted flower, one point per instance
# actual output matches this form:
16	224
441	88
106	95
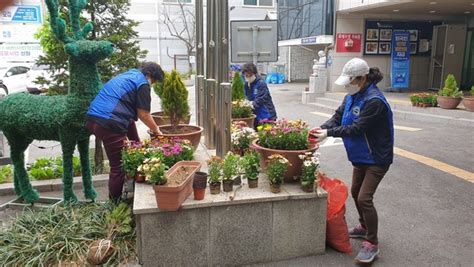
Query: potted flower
229	170
276	169
133	155
160	117
171	150
172	188
215	175
449	97
250	163
174	101
468	101
241	137
309	171
242	109
287	138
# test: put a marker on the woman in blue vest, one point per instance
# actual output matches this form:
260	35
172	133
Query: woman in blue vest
364	121
257	92
112	115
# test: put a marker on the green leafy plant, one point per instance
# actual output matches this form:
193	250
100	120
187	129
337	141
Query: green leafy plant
62	234
158	86
49	168
237	87
309	168
415	99
6	174
450	88
242	109
283	134
472	90
174	99
154	171
214	165
276	168
230	166
250	163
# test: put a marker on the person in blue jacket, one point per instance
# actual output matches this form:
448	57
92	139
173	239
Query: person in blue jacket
256	91
112	114
365	122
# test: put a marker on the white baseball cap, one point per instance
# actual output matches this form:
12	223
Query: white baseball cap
354	68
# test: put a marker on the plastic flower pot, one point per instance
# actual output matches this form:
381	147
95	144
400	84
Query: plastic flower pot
199	185
308	188
228	185
275	188
139	178
215	188
253	183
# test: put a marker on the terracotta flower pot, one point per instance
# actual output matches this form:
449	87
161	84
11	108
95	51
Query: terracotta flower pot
253	183
228	185
275	188
249	121
161	119
291	155
448	102
308	188
199	193
170	197
215	188
468	102
189	132
139	178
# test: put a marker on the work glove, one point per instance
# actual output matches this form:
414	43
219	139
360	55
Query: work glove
317	135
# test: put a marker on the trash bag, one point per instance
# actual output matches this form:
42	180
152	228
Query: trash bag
337	235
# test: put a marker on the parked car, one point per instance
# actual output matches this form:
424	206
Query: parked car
13	78
35	72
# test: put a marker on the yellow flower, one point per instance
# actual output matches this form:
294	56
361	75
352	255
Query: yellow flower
259	128
268	127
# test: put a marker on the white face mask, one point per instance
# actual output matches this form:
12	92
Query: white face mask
352	89
251	79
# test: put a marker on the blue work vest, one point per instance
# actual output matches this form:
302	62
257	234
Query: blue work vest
358	147
266	110
117	99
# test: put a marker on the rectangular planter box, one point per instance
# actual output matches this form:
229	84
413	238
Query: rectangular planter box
256	227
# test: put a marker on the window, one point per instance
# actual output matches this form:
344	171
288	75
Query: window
261	3
176	1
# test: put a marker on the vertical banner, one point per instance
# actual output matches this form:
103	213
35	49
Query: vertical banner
400	63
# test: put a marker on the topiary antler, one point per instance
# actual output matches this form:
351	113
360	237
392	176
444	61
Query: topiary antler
58	25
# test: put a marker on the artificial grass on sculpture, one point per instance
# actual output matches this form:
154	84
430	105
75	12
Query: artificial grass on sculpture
61	235
25	117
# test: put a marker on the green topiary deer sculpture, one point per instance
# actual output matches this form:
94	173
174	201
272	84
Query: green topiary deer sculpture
25	117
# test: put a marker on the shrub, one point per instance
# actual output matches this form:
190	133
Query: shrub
450	88
237	87
174	99
6	174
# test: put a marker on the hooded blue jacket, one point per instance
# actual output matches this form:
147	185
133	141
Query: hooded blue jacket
259	94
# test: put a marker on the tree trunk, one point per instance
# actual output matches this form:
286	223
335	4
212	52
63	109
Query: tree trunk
98	157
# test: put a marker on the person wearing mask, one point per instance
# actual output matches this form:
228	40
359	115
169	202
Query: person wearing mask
364	120
112	114
256	91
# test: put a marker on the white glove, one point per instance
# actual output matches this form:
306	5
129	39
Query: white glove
320	135
253	104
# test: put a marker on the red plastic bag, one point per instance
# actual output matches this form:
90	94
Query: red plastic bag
337	235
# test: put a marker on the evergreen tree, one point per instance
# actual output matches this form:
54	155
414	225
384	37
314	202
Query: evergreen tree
237	87
174	99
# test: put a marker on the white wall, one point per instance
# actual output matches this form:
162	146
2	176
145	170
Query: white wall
419	65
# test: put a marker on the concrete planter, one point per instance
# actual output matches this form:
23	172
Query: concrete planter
170	198
447	102
291	155
193	134
161	119
468	102
249	121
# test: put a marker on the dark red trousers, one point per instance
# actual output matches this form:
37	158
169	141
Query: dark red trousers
114	143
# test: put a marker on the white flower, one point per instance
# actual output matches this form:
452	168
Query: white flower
307	163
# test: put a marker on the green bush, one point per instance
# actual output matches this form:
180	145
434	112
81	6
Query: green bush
49	168
472	90
450	88
174	99
6	174
237	87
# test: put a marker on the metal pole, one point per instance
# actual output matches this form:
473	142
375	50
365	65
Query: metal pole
224	107
201	112
254	44
223	41
211	40
210	106
199	37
